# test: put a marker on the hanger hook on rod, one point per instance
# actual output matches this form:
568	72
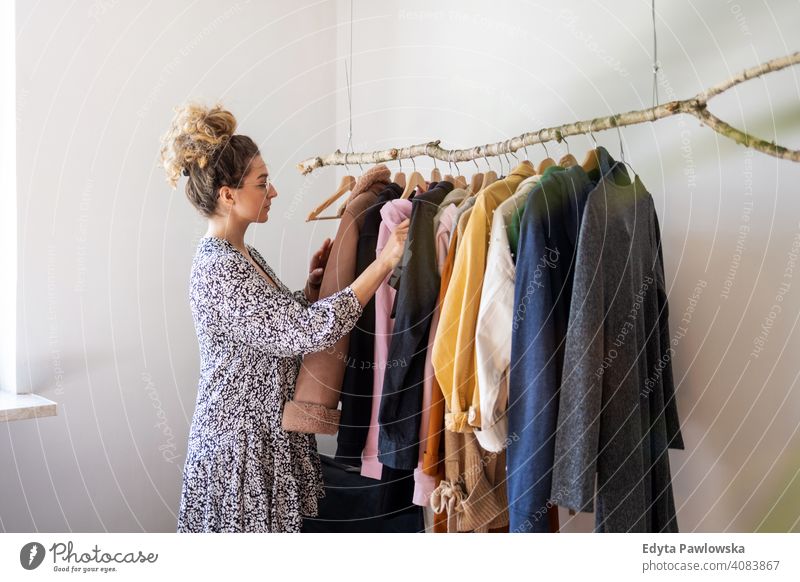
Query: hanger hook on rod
546	153
500	160
591	134
512	151
486	158
414	163
505	153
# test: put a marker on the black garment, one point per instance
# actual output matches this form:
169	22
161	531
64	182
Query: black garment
418	291
397	273
353	503
356	395
396	491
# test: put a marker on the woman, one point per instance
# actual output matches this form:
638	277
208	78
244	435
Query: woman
243	472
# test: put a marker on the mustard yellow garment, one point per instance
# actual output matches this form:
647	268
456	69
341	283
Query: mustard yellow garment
454	345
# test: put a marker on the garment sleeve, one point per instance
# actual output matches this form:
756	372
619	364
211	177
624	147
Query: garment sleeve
300	297
674	435
257	314
493	338
578	428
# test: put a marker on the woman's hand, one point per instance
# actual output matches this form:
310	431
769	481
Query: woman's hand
316	270
319	261
393	251
368	282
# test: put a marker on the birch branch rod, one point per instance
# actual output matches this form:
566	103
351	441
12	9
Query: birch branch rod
695	106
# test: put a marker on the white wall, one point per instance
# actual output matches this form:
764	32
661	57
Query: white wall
105	247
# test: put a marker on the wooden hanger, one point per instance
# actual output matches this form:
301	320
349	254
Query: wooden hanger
476	182
347	184
436	175
489	175
547	162
400	178
414	180
591	161
544	164
527	160
460	181
567	160
477	179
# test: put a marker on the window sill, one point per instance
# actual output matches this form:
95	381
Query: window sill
22	406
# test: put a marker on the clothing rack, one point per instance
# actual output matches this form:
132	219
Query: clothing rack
695	106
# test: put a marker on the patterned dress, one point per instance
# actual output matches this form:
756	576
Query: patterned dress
243	472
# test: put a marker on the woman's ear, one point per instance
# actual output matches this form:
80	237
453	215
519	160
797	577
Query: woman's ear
226	195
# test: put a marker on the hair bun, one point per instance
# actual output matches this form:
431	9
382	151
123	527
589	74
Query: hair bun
194	135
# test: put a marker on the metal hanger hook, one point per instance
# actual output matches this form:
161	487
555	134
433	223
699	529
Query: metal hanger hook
500	161
621	149
591	133
546	153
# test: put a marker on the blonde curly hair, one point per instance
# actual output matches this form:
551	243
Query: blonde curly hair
201	144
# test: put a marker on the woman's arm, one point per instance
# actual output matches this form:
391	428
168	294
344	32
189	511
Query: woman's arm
256	314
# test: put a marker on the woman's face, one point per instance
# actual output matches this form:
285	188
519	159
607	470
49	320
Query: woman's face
254	195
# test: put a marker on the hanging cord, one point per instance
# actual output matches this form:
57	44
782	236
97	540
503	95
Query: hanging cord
348	74
656	64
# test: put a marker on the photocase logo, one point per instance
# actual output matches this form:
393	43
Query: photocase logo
31	555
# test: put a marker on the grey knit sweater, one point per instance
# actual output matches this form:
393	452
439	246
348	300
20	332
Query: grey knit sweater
617	412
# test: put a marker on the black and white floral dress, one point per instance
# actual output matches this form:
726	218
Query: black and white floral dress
243	472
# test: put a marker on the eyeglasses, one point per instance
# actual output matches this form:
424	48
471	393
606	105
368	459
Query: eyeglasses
264	185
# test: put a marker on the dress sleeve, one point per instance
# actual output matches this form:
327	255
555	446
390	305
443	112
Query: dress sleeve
301	298
255	313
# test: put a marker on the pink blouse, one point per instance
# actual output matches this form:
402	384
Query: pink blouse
392	213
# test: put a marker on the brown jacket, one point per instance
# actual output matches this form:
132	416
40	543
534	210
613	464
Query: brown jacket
319	382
